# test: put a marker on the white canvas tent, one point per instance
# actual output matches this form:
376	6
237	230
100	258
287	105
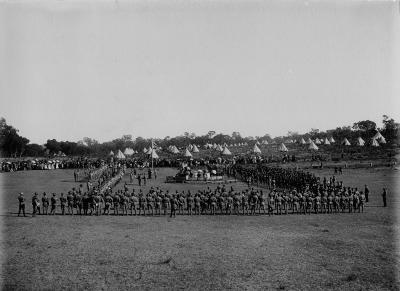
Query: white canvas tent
219	148
326	141
374	143
187	154
174	150
120	155
378	135
195	149
226	152
152	153
313	146
360	142
382	140
282	148
256	150
346	142
302	141
331	140
265	142
128	152
111	153
309	141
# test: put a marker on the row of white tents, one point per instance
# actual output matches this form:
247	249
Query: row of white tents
224	150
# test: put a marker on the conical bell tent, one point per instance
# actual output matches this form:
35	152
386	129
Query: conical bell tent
195	149
256	150
226	152
187	154
374	143
360	142
282	148
313	146
346	142
120	155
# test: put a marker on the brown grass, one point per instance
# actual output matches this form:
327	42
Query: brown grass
293	252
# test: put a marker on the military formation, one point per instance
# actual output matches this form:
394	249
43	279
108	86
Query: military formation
331	199
287	191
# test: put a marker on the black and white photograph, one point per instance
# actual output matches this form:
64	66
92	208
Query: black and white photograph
199	145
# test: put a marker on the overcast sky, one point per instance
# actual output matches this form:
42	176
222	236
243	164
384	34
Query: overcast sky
157	68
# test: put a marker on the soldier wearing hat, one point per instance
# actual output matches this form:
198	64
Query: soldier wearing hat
366	192
173	204
53	204
63	201
149	203
133	203
70	203
35	204
21	204
45	203
189	203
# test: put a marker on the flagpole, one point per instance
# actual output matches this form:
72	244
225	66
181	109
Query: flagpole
152	149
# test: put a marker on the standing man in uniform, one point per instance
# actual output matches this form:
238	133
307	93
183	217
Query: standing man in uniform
53	204
63	201
70	203
366	193
35	204
21	202
45	202
384	194
173	202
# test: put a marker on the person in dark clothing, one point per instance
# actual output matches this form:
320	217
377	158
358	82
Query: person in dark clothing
21	202
384	194
366	193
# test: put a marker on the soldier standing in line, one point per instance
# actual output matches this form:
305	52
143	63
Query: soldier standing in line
45	202
53	204
63	201
134	203
149	202
70	203
21	203
173	202
361	202
165	204
35	204
116	201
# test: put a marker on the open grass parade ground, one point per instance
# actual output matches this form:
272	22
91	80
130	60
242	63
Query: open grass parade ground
199	145
338	251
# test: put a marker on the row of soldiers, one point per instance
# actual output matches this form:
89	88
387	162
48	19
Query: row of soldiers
328	199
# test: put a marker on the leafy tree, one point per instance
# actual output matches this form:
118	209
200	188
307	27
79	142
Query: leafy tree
53	146
365	125
236	135
11	143
90	142
211	134
390	128
34	150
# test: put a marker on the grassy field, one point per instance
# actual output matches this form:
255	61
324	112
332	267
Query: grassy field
293	252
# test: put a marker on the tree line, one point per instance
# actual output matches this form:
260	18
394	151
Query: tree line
14	145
